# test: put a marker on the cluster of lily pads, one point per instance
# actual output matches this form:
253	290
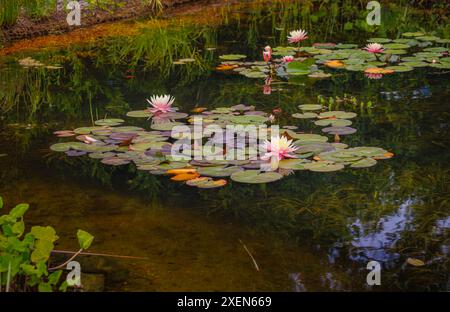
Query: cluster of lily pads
412	50
115	144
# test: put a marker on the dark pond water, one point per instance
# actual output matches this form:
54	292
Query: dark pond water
309	231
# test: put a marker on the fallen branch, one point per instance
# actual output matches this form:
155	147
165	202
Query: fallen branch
97	254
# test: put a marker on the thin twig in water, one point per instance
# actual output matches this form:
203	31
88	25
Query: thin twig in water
65	263
98	254
251	256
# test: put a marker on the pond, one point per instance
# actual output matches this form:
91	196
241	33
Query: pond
309	230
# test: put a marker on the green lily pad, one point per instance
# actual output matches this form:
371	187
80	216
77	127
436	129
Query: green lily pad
110	122
395	51
436	49
413	34
60	147
255	176
379	40
338	114
333	122
86	130
306	115
308	137
323	167
232	57
218	172
400	68
310	107
364	163
415	64
292	164
140	114
396	46
427	38
167	126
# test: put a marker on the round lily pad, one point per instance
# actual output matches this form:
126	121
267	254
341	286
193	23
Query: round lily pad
339	130
255	176
109	122
167	126
292	164
218	171
310	107
364	163
140	114
305	115
232	57
115	161
323	167
60	147
307	137
338	114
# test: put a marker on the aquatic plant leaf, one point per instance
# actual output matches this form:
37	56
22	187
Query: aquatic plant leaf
400	68
114	161
166	126
379	40
212	184
232	57
338	114
85	239
60	147
255	176
110	122
292	164
396	46
139	114
364	163
310	107
339	130
323	167
413	34
218	172
395	51
304	115
308	137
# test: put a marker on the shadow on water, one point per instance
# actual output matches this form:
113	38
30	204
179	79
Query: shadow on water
307	232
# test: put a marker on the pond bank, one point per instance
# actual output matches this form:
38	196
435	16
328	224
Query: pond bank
56	23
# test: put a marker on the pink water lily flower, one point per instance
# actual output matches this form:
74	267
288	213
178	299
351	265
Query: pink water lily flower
287	59
278	149
296	36
161	104
267	54
374	48
89	140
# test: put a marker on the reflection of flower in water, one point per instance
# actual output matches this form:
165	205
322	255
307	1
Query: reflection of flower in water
374	76
267	89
